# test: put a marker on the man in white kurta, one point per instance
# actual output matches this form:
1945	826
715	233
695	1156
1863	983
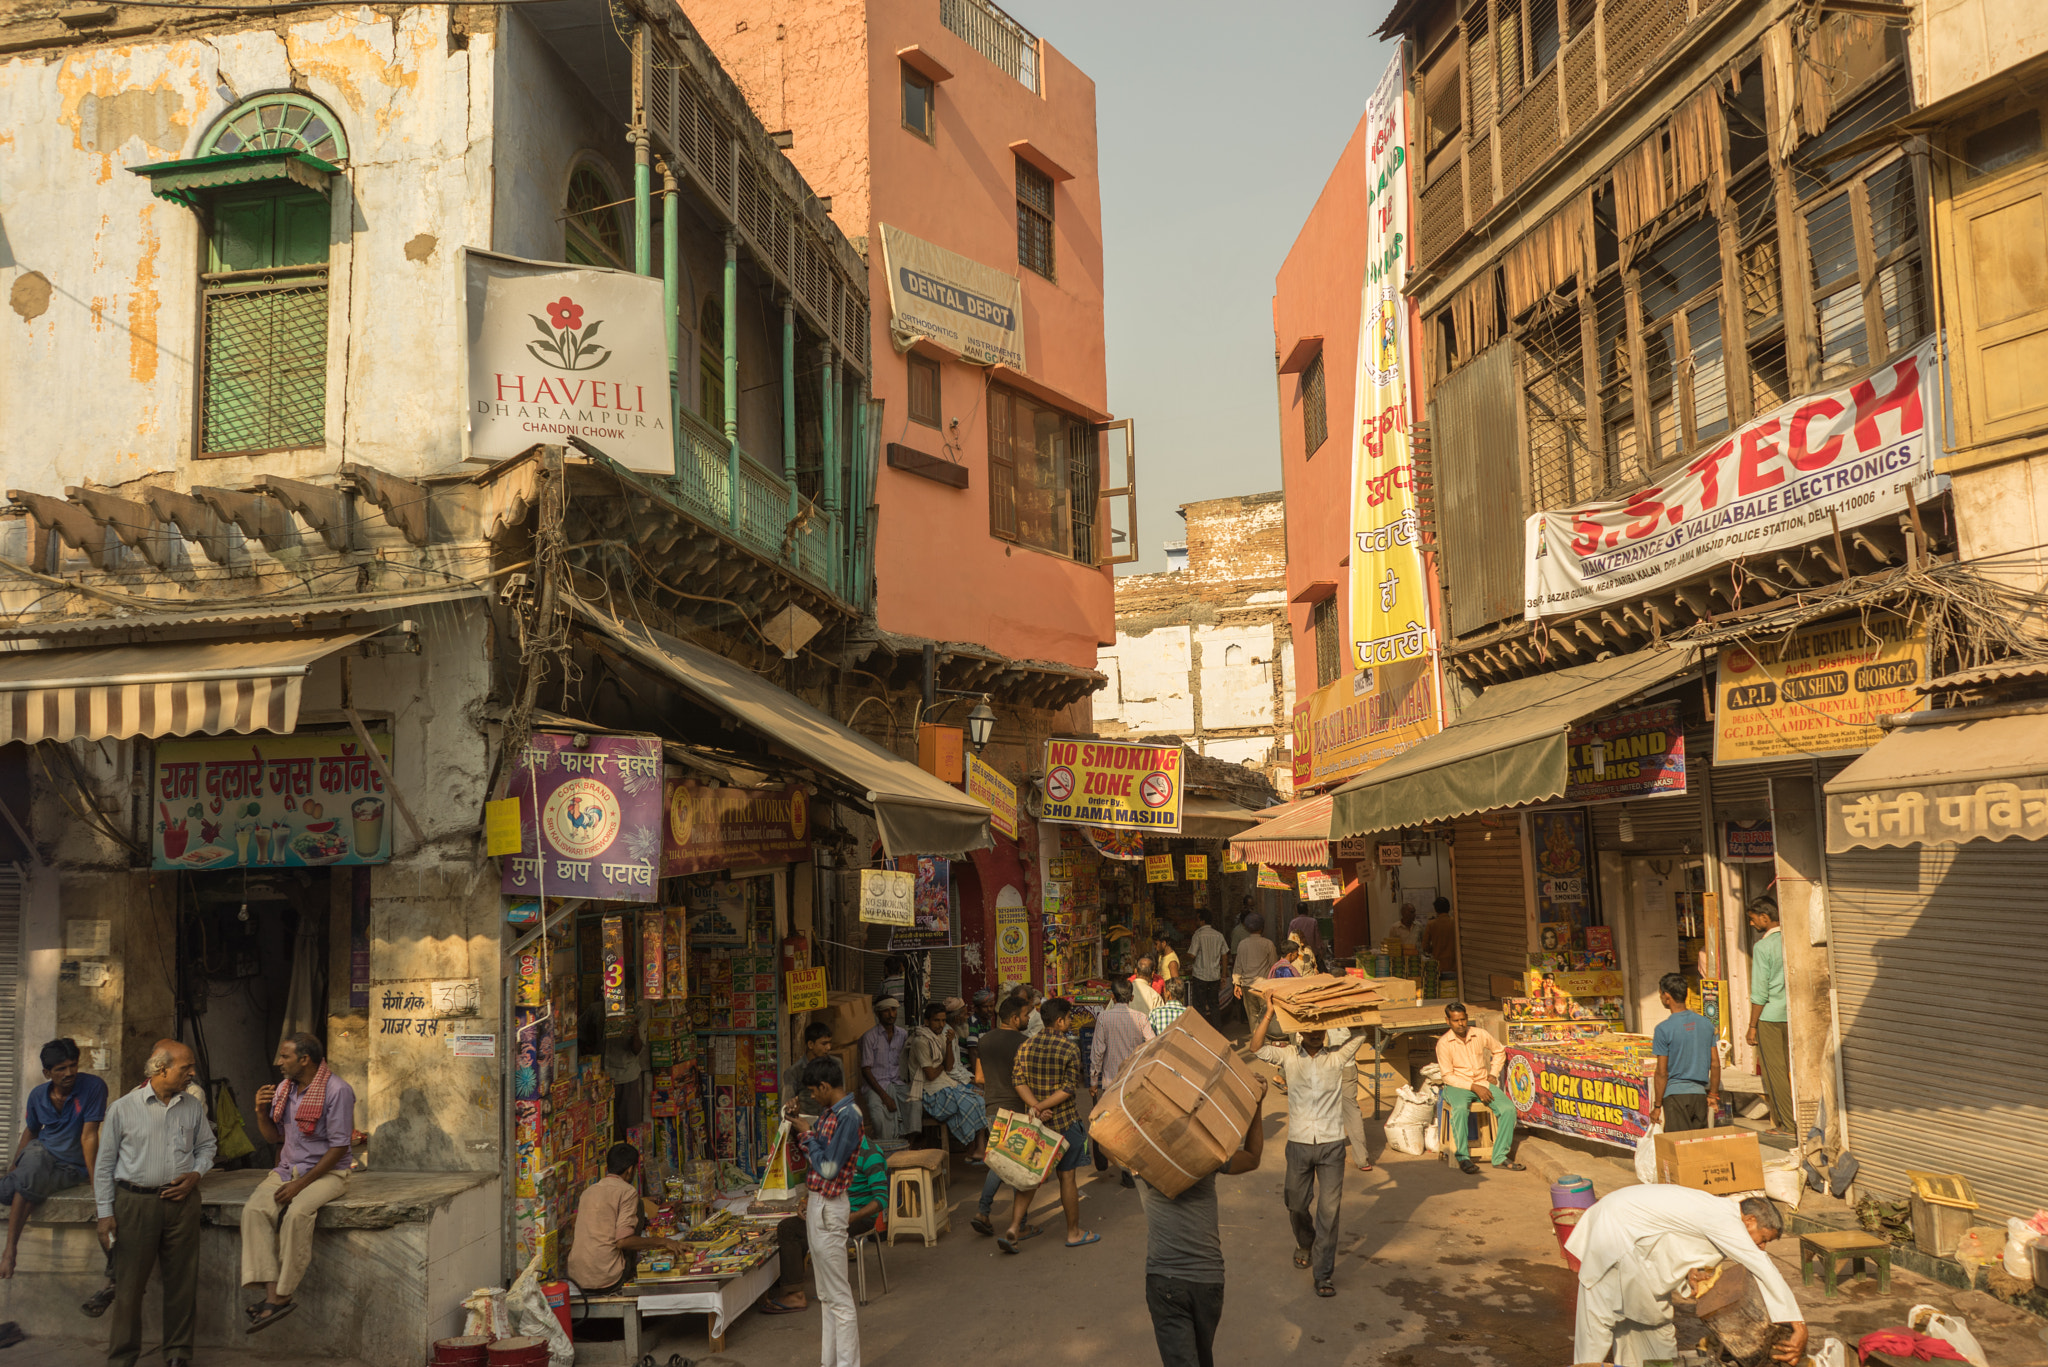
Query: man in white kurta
1635	1248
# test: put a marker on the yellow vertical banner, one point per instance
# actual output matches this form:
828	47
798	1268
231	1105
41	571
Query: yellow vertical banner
1393	643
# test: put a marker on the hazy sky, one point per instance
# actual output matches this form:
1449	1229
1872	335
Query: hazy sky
1218	125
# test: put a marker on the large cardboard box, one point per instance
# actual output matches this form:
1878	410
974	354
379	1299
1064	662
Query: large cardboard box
850	1014
1180	1107
1721	1161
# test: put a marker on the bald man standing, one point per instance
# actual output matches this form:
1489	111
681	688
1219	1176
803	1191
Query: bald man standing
155	1145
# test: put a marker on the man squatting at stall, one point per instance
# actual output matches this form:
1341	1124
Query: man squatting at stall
1639	1245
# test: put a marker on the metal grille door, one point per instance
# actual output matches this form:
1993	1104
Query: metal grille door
1939	958
10	994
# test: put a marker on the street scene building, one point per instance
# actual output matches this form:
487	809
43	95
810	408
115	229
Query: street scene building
595	724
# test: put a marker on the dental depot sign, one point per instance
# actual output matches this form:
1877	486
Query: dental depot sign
1850	455
556	351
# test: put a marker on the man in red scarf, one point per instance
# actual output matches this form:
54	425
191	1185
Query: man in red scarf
309	1117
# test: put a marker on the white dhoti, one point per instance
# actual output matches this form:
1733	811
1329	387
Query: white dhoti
1635	1249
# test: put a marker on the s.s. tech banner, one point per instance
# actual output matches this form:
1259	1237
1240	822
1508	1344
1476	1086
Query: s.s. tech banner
1849	456
974	310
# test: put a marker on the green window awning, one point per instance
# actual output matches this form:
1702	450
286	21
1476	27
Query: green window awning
186	182
1506	749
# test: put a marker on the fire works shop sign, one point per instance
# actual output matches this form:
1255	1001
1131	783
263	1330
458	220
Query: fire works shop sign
1630	755
564	351
590	818
1846	456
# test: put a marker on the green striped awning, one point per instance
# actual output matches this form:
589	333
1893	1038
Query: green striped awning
185	182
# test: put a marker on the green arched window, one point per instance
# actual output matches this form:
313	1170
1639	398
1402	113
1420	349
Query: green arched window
283	118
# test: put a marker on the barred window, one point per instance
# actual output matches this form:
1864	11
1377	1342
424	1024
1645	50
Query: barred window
264	322
924	390
1044	476
1034	219
1322	620
1315	413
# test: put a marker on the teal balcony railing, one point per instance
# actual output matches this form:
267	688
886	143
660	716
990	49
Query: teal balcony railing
764	525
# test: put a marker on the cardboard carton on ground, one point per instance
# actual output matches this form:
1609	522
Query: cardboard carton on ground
850	1014
1721	1161
1180	1107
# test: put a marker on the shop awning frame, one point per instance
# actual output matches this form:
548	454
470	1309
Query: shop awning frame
1507	749
1943	781
918	813
1212	818
161	688
1294	836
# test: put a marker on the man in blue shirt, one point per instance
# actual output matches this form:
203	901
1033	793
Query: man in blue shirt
1688	1083
830	1142
60	1143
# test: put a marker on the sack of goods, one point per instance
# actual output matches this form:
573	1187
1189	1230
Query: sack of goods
1180	1107
1021	1150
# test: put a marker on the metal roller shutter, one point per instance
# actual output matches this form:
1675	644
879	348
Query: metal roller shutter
1493	918
11	1102
1939	959
1660	825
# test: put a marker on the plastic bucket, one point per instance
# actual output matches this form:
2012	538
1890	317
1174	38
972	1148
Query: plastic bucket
461	1352
519	1352
1563	1220
1572	1193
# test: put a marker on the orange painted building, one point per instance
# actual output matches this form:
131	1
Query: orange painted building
1315	339
947	122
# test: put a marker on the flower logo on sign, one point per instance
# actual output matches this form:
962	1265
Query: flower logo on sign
581	819
564	340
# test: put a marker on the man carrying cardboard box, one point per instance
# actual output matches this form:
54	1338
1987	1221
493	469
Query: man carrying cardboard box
1640	1244
1184	1258
1316	1077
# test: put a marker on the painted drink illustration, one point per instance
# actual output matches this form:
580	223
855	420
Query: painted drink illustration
368	815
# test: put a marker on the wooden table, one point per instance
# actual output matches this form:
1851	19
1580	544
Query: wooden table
1831	1248
723	1299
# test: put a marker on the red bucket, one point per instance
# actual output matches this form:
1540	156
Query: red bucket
461	1352
1563	1220
519	1352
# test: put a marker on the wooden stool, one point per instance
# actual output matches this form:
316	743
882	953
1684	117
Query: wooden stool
1447	1142
1832	1248
917	1195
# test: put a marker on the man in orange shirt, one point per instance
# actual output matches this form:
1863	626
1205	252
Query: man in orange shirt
1471	1061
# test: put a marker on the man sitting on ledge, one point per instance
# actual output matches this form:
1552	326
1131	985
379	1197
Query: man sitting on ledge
317	1111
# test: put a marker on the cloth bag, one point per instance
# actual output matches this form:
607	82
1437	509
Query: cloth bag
1021	1150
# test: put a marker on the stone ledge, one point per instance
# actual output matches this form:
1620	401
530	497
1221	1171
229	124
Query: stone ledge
375	1200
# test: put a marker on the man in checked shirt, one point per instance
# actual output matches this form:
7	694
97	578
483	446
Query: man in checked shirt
830	1141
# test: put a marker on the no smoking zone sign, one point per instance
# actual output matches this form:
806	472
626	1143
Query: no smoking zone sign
1115	784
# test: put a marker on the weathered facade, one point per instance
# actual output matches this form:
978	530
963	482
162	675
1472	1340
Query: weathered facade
1202	653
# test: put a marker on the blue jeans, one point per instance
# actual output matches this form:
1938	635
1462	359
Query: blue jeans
989	1186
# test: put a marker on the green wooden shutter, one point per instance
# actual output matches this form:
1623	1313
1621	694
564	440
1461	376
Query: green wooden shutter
266	334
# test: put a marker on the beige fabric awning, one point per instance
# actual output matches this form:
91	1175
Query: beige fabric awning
1944	783
1296	835
1506	749
1211	818
917	812
166	688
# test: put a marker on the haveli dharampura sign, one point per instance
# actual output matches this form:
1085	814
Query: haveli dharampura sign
1820	691
297	801
964	306
590	818
559	351
1631	754
1855	453
1113	783
1939	814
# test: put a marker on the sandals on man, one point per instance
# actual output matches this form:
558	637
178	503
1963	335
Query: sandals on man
96	1304
771	1306
1301	1258
1468	1167
1510	1167
1326	1290
263	1314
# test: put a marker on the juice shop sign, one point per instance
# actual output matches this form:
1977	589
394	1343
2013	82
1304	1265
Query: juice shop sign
294	801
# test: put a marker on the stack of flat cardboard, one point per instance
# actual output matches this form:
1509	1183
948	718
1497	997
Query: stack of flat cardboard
1180	1107
1321	1002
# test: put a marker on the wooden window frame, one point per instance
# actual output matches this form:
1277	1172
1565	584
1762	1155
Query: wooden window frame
1326	625
934	414
1315	408
1075	464
915	78
1035	207
218	287
1871	268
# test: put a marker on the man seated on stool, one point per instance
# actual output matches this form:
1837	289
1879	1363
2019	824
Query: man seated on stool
867	1196
310	1117
606	1246
1471	1059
